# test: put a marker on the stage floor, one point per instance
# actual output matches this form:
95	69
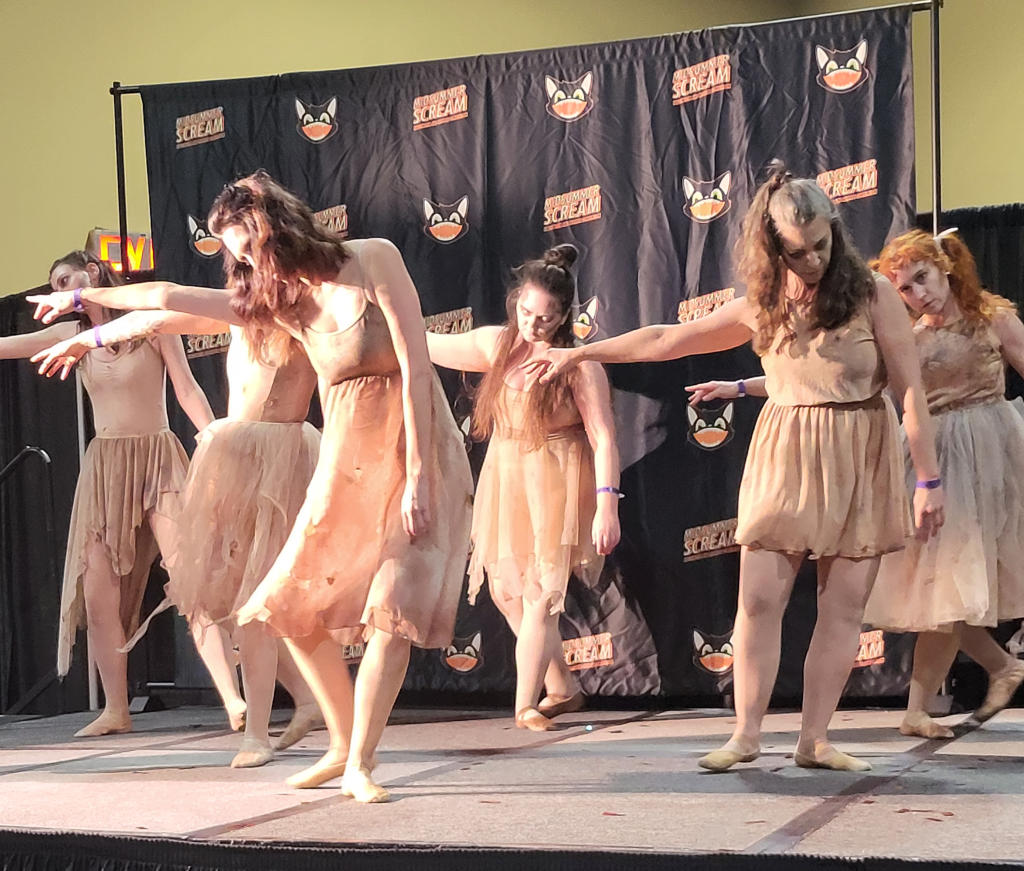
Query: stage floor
605	780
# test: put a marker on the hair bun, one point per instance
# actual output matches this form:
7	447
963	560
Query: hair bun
561	255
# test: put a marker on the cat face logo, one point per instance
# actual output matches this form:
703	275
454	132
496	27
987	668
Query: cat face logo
707	200
585	324
569	101
445	224
713	653
463	655
317	123
200	240
710	428
842	71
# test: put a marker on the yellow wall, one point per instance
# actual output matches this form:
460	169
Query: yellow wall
56	128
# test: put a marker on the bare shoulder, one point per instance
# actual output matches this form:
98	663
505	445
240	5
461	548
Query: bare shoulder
375	251
1006	323
743	310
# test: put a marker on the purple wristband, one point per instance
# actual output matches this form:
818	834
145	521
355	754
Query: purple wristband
615	491
932	484
741	387
97	337
76	300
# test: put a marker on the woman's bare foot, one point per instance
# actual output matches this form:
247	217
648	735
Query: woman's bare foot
921	725
733	751
358	784
107	723
302	722
252	754
534	720
821	754
236	714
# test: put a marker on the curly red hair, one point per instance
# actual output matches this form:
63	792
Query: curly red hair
949	254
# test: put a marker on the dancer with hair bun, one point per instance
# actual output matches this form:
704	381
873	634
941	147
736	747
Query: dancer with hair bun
824	474
547	499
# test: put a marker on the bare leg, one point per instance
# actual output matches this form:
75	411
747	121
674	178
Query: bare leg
259	672
214	643
322	665
843	589
766	582
102	591
536	648
307	713
1005	672
380	677
934	653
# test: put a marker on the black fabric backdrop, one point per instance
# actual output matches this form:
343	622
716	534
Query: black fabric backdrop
645	154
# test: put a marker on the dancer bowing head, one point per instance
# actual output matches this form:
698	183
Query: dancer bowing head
127	496
379	547
245	486
824	474
541	511
972	575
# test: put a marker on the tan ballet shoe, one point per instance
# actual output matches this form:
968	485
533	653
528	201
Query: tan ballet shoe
921	725
833	760
358	784
301	724
553	706
724	759
252	754
316	775
534	720
236	716
1000	692
106	724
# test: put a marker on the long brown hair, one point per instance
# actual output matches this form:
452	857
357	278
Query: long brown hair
80	261
847	283
291	249
949	254
552	274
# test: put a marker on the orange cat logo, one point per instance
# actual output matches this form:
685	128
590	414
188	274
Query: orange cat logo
317	122
710	429
585	324
200	240
463	655
707	200
842	71
569	101
444	223
713	653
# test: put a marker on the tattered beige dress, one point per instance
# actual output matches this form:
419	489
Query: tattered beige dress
134	468
348	564
824	473
973	570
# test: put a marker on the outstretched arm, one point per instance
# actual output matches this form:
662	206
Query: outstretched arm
467	352
205	302
709	390
899	352
28	344
727	327
189	394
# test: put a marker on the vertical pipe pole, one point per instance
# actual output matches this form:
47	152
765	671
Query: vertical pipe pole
122	197
936	125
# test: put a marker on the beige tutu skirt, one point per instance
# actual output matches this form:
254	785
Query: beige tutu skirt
973	570
348	564
532	519
825	480
123	481
245	487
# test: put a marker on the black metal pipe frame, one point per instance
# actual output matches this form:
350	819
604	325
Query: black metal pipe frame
930	6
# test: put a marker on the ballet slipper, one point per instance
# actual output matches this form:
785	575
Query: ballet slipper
1001	688
330	766
358	784
252	754
534	720
106	724
301	724
725	758
236	715
921	725
832	759
553	706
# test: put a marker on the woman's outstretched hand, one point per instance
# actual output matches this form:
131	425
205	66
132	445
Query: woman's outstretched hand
547	364
929	512
63	356
709	390
50	306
